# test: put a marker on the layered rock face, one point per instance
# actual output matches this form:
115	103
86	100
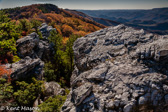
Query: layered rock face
26	68
45	30
32	52
32	46
119	69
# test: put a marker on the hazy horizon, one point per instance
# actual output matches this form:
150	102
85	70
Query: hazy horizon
90	4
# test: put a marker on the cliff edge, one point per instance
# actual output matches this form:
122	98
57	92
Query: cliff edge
119	69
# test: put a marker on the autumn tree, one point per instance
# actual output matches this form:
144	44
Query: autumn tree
25	26
4	17
67	30
6	90
35	24
5	73
8	29
9	33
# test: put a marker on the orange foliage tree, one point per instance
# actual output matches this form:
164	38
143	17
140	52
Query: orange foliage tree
80	33
67	30
64	21
4	71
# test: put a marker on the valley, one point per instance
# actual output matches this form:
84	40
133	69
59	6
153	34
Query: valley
152	20
62	60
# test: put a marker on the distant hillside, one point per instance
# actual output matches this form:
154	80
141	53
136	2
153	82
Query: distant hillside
157	14
150	20
103	21
64	21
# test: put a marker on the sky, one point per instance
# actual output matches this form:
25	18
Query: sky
90	4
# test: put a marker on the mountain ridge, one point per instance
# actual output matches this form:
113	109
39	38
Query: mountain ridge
57	17
103	21
158	16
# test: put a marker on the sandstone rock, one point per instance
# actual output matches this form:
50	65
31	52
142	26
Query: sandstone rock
128	107
165	87
110	105
32	46
126	69
142	100
45	30
26	68
116	103
98	74
45	50
81	93
26	45
52	89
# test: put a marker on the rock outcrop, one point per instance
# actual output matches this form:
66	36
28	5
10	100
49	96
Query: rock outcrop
26	68
32	46
33	51
119	69
45	30
26	46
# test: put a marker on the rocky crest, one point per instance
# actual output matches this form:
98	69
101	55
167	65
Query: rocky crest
33	51
32	46
119	69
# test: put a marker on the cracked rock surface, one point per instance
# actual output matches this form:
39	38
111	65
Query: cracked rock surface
25	68
35	47
119	69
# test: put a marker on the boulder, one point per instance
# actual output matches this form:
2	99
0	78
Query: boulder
26	46
45	50
33	47
52	89
125	68
26	68
45	30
